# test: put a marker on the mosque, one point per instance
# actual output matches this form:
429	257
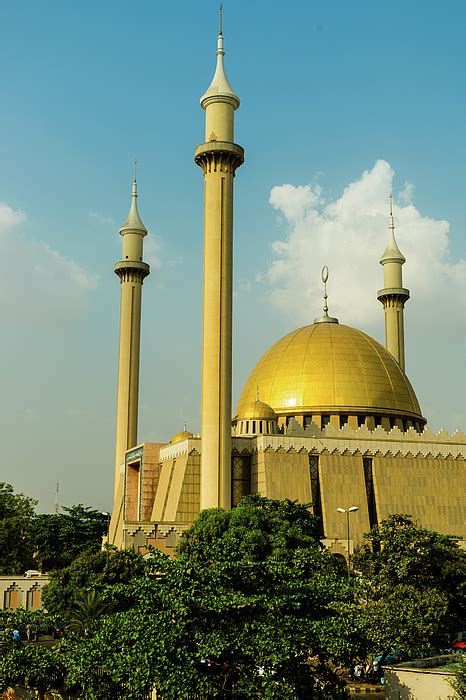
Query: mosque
327	417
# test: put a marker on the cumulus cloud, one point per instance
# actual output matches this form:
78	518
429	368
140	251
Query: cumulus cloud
38	282
9	218
101	218
349	235
152	251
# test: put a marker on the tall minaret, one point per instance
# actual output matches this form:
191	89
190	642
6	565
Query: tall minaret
218	157
131	271
394	296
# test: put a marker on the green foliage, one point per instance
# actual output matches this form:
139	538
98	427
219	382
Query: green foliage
19	618
60	537
31	665
93	570
252	591
410	586
16	517
458	682
86	610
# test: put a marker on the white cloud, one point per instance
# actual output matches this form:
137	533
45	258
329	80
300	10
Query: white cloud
294	202
406	194
9	218
101	218
152	251
349	235
38	283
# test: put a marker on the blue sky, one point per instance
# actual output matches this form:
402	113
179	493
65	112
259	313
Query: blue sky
329	91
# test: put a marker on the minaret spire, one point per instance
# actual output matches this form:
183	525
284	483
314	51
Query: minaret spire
219	90
131	270
393	296
219	157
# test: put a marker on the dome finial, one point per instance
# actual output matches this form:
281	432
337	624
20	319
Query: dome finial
221	18
392	252
185	426
325	318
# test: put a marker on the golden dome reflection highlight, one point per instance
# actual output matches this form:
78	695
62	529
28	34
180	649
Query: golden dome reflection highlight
330	368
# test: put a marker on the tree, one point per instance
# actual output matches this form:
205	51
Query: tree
86	610
410	585
100	571
458	680
249	603
60	537
16	517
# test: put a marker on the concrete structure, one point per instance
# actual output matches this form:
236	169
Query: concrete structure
131	270
420	680
22	592
218	157
393	296
327	416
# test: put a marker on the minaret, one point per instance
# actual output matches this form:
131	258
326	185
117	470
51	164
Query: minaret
131	271
218	157
394	296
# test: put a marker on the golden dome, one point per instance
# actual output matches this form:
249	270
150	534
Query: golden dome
257	410
179	437
330	368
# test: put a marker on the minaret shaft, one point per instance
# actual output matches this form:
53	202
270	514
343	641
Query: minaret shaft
393	297
128	366
393	305
218	157
131	271
217	340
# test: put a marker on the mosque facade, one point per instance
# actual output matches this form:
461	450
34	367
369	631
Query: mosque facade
327	417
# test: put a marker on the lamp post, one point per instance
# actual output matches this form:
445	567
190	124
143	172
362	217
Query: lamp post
352	509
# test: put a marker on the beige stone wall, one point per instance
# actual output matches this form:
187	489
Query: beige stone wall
177	496
430	489
417	684
188	502
258	483
342	485
150	477
429	486
286	475
17	591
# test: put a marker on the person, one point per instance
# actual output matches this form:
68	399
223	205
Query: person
358	671
29	631
16	636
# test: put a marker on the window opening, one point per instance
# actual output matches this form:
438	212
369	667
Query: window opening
315	491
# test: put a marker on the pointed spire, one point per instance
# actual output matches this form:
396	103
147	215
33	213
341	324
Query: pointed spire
133	221
220	89
325	318
392	252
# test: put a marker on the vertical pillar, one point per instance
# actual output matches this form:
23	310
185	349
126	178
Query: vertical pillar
219	157
131	272
393	297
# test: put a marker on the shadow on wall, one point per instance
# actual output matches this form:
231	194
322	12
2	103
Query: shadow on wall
396	689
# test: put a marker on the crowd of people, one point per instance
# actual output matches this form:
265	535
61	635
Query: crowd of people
31	632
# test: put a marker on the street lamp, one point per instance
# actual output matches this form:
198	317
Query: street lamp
352	509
